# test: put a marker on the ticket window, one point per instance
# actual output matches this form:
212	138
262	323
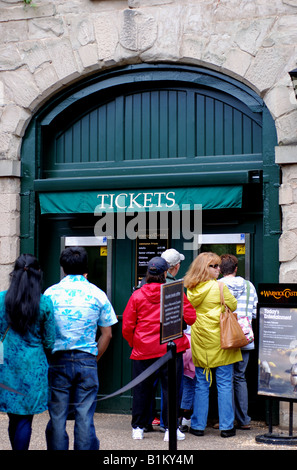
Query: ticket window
99	259
237	244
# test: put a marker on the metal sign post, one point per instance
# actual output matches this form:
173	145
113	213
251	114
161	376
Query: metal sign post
172	414
171	314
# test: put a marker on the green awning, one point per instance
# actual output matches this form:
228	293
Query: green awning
134	200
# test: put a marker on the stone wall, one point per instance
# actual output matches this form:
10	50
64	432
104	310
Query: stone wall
52	43
49	44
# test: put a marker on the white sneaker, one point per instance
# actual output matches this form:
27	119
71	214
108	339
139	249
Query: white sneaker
137	433
186	422
180	436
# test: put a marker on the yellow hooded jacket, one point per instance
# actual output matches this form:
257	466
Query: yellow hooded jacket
205	333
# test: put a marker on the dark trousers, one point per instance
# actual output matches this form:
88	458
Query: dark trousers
19	431
143	393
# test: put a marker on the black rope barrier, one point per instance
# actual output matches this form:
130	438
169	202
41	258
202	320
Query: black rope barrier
141	377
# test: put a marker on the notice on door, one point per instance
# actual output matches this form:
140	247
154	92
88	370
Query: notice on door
146	249
277	361
171	312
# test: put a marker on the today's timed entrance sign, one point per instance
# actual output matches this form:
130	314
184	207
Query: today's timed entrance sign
171	312
277	322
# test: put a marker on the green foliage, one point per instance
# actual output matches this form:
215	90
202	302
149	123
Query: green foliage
29	2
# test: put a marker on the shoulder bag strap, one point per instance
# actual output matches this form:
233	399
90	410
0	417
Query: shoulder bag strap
247	296
221	287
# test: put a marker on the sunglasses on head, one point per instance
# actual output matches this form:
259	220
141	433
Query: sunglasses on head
215	266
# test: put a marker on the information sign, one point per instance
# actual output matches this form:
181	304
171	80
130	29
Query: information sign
171	312
147	248
281	294
277	359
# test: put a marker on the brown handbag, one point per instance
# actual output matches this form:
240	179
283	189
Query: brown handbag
232	335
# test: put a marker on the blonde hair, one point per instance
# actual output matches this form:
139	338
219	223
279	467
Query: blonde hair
199	271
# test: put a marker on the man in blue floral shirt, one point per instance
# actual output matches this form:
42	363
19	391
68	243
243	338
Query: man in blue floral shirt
79	308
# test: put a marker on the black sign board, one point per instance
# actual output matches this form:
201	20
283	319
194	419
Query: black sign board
147	247
283	294
277	326
172	303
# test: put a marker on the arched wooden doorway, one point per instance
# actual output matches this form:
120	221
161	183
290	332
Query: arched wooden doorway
149	127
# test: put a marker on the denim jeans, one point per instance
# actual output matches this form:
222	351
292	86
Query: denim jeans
224	380
241	391
73	378
188	393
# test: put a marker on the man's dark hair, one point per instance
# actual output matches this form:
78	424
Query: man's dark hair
228	264
158	278
74	260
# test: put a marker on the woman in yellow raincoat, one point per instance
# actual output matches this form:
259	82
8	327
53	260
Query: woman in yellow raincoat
204	294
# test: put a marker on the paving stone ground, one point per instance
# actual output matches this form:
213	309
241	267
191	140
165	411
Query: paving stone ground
114	432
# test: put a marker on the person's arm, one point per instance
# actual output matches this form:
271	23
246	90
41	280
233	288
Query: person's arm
49	328
104	340
255	301
230	300
194	296
129	321
189	312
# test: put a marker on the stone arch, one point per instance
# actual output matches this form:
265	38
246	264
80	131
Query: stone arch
145	73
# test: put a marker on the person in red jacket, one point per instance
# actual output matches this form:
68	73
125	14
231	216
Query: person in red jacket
141	328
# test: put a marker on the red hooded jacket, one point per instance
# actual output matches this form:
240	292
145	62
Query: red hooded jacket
141	323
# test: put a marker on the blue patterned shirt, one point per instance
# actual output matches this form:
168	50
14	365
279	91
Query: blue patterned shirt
79	308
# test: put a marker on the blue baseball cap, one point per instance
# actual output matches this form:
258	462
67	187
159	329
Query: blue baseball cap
157	265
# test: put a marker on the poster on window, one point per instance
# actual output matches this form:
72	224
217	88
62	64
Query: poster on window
147	247
277	359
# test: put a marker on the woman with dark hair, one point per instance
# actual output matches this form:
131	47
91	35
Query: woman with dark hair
27	331
141	329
